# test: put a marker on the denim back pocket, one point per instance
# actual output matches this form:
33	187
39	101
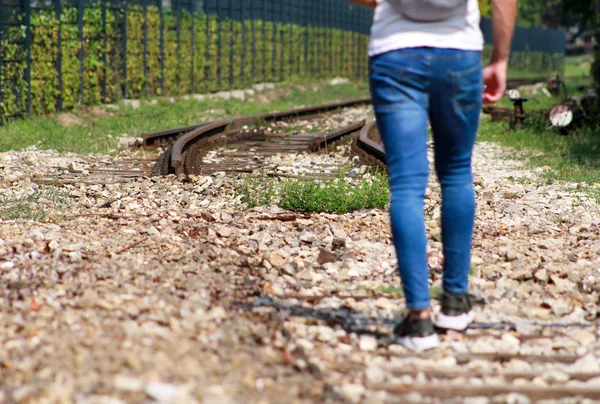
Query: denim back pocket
467	87
395	78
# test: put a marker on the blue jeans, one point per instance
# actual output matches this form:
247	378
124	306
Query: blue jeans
408	88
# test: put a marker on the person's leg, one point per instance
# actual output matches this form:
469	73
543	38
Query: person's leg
399	81
399	85
455	106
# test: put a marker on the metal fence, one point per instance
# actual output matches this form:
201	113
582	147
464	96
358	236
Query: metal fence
56	54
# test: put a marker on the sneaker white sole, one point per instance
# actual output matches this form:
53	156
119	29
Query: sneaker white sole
458	323
419	343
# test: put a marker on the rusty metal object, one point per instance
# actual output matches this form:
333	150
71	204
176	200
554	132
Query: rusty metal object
498	113
515	117
166	137
190	143
369	147
519	112
321	141
556	86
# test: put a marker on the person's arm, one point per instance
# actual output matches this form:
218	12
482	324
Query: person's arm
365	3
504	13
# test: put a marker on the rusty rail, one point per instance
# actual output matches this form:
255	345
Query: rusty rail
176	159
369	147
162	137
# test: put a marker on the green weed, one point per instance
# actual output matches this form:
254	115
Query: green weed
40	205
391	289
339	195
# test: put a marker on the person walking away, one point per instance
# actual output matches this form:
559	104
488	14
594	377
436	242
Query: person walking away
425	65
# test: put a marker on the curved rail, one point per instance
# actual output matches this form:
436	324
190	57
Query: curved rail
221	129
154	139
366	142
369	148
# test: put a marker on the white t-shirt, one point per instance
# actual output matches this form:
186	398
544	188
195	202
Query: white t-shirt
391	31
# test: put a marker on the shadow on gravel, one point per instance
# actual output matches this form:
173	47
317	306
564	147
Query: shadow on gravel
360	323
351	321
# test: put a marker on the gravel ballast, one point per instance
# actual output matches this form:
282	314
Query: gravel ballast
154	289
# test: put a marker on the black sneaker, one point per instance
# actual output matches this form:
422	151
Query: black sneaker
417	334
456	313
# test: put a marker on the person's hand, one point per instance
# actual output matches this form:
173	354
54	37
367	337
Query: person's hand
494	79
365	3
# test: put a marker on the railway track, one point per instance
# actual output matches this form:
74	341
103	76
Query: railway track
242	144
190	149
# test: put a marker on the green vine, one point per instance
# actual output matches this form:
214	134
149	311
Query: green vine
250	52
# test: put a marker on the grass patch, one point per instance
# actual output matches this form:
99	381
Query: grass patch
579	65
41	205
338	195
97	130
257	190
391	289
436	292
573	158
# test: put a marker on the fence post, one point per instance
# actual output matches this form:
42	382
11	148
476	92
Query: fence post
301	68
253	28
319	40
331	38
161	45
346	30
307	31
80	10
281	41
28	55
192	45
274	42
231	42
104	51
355	56
207	55
264	41
242	17
178	48
219	45
124	50
333	45
291	54
57	14
359	49
145	47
